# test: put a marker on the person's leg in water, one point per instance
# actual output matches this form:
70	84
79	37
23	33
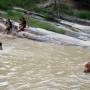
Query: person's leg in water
21	28
8	30
1	46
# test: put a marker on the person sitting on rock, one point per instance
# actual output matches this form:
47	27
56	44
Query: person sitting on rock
87	68
8	24
22	25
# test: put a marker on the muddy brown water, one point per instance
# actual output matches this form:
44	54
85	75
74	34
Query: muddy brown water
32	65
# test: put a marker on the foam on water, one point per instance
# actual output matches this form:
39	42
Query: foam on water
48	36
55	38
78	26
6	50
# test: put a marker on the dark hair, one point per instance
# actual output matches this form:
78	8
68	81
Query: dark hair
1	46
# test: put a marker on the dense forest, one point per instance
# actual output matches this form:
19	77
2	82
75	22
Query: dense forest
7	4
77	8
82	4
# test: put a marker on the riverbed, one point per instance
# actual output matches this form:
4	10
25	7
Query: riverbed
31	65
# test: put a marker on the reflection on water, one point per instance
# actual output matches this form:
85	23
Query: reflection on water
29	65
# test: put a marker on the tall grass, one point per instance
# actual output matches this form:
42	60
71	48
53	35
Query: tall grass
40	24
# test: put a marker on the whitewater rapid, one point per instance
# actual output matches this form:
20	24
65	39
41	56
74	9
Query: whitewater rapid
43	35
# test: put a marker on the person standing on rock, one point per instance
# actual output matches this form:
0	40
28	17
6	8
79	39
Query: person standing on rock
8	29
22	25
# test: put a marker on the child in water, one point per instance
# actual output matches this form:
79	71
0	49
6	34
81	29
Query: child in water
87	68
8	24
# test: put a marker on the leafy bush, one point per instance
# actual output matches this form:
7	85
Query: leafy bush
83	14
5	4
65	9
8	4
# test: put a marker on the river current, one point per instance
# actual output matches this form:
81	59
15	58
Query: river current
31	65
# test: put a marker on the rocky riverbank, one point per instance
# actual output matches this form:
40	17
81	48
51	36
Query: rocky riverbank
43	35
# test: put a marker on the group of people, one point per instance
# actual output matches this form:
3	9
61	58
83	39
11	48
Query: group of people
9	26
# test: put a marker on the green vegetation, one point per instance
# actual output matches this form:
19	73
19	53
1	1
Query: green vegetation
8	4
15	15
5	4
67	10
40	24
82	14
47	12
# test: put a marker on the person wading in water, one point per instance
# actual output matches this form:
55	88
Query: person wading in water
8	29
87	67
22	25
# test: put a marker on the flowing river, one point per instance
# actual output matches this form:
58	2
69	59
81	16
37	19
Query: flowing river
31	65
